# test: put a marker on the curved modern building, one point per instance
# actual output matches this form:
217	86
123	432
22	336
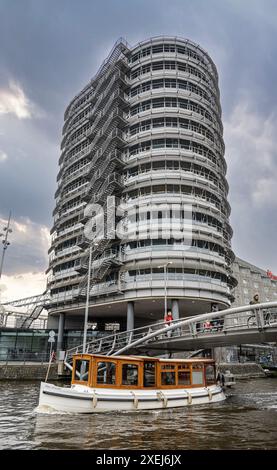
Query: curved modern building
143	142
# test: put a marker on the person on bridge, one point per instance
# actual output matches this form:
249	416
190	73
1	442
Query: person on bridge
207	325
168	320
256	299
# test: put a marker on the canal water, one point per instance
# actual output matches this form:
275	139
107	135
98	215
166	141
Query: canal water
246	420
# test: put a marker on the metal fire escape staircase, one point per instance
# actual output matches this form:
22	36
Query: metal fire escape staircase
107	140
34	306
35	313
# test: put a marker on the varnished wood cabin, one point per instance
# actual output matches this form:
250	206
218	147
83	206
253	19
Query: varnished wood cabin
138	372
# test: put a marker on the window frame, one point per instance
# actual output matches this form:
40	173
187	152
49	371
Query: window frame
100	385
90	360
139	364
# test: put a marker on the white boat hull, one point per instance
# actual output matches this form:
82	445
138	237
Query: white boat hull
81	399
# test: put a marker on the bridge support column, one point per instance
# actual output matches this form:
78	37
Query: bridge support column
60	332
130	316
175	309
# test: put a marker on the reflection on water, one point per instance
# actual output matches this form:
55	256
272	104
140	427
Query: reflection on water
246	420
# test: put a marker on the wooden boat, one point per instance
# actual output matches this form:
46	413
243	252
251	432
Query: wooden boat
132	383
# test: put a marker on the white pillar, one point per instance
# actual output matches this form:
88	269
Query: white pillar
60	332
130	316
175	309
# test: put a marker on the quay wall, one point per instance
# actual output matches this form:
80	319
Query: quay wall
243	371
31	371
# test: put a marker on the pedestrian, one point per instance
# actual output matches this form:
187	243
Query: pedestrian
168	320
207	325
256	299
220	379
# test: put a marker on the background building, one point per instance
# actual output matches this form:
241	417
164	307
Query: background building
147	130
252	280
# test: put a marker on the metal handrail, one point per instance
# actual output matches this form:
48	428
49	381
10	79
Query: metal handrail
192	327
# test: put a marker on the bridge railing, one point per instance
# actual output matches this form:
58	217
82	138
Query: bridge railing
257	316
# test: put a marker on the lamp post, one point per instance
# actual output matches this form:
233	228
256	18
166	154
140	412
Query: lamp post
165	284
5	242
87	300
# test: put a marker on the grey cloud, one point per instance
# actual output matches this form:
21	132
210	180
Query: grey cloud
53	48
27	252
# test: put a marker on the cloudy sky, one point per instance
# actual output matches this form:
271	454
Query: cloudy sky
50	49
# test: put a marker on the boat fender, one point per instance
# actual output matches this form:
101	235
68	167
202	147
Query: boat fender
210	394
135	400
94	400
189	398
162	398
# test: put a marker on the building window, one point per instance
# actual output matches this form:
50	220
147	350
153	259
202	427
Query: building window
81	370
168	378
197	375
106	373
112	326
210	375
149	374
129	374
183	377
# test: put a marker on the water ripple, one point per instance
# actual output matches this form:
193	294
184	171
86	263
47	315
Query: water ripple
246	420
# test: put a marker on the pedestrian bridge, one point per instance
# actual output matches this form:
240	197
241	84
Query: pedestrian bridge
253	324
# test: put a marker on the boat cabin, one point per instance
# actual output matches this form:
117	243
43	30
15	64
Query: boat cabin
139	372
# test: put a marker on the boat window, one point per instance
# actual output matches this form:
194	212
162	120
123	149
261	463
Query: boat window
184	377
197	374
106	373
81	370
149	378
210	374
129	374
168	378
168	366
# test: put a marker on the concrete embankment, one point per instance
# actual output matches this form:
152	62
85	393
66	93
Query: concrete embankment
29	371
246	370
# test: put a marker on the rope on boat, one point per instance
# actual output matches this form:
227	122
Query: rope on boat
162	398
135	399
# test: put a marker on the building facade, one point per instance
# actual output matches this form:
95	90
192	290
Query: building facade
253	280
143	138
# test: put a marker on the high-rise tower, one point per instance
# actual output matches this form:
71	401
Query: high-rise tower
146	131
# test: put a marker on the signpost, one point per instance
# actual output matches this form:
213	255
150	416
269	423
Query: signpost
51	340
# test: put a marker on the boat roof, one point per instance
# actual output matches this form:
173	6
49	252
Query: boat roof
147	358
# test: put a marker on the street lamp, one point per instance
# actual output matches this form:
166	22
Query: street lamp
95	244
165	284
87	300
5	242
